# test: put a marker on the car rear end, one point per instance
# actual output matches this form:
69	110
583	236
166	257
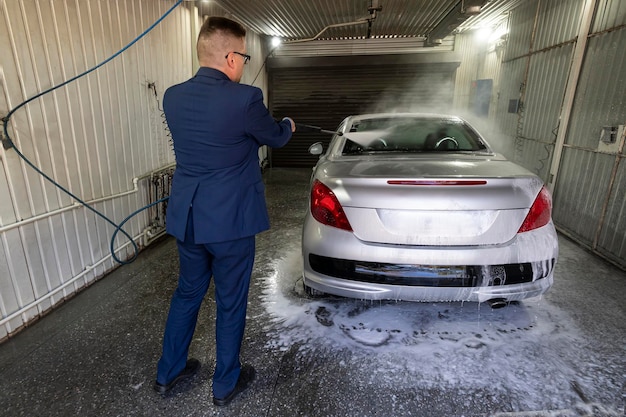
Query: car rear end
453	227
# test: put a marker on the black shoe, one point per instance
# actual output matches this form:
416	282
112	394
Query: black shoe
192	366
246	376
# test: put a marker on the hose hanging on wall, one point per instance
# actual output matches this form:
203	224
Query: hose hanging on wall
168	133
7	143
547	148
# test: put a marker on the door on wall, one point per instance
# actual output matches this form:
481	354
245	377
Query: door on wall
324	95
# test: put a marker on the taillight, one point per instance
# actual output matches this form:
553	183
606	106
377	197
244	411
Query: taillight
540	212
326	209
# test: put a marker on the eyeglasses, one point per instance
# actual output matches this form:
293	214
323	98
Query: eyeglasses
246	57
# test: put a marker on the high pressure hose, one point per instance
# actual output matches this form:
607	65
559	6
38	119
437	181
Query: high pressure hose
7	143
316	129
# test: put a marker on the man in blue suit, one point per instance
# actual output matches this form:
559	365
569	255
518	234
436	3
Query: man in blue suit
217	204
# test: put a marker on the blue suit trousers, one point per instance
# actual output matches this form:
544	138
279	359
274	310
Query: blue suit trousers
230	264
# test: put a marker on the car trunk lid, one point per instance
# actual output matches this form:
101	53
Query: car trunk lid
432	202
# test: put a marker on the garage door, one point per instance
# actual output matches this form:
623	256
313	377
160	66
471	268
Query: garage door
323	95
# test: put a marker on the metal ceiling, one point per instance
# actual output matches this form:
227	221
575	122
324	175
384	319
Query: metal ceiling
431	20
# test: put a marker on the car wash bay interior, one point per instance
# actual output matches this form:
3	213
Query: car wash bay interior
82	308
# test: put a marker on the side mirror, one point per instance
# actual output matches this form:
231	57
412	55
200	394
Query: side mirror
316	149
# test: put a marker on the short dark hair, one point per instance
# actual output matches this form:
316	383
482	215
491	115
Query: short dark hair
221	24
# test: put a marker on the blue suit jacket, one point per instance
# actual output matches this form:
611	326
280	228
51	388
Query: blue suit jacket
217	128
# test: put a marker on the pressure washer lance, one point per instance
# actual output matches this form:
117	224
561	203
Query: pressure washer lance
309	128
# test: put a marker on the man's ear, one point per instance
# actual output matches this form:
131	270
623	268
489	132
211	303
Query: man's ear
230	61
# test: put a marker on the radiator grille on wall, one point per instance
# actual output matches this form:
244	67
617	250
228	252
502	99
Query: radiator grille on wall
159	188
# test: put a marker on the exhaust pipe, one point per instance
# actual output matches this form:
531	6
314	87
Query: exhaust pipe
497	303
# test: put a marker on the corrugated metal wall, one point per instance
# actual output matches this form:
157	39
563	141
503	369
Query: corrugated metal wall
537	61
100	137
467	73
589	203
93	136
481	59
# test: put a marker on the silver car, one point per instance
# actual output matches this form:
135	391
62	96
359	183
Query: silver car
418	207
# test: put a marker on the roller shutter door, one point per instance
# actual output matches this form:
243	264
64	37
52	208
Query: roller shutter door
324	96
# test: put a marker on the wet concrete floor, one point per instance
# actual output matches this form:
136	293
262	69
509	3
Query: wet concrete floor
559	356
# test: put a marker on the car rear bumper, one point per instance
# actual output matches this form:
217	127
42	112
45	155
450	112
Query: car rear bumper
366	291
520	269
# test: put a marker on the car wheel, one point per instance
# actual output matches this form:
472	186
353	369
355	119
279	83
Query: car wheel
312	292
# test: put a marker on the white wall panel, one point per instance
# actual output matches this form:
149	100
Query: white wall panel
612	239
510	89
93	136
97	136
467	72
9	299
479	60
601	98
580	193
558	22
610	14
545	87
600	101
521	26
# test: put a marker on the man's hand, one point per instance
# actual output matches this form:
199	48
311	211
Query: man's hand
293	124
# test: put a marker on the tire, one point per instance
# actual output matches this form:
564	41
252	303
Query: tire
312	292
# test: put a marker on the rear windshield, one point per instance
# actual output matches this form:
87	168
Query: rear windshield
398	134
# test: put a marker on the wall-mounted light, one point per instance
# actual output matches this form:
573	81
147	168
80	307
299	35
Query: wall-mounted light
490	34
484	33
498	33
276	41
